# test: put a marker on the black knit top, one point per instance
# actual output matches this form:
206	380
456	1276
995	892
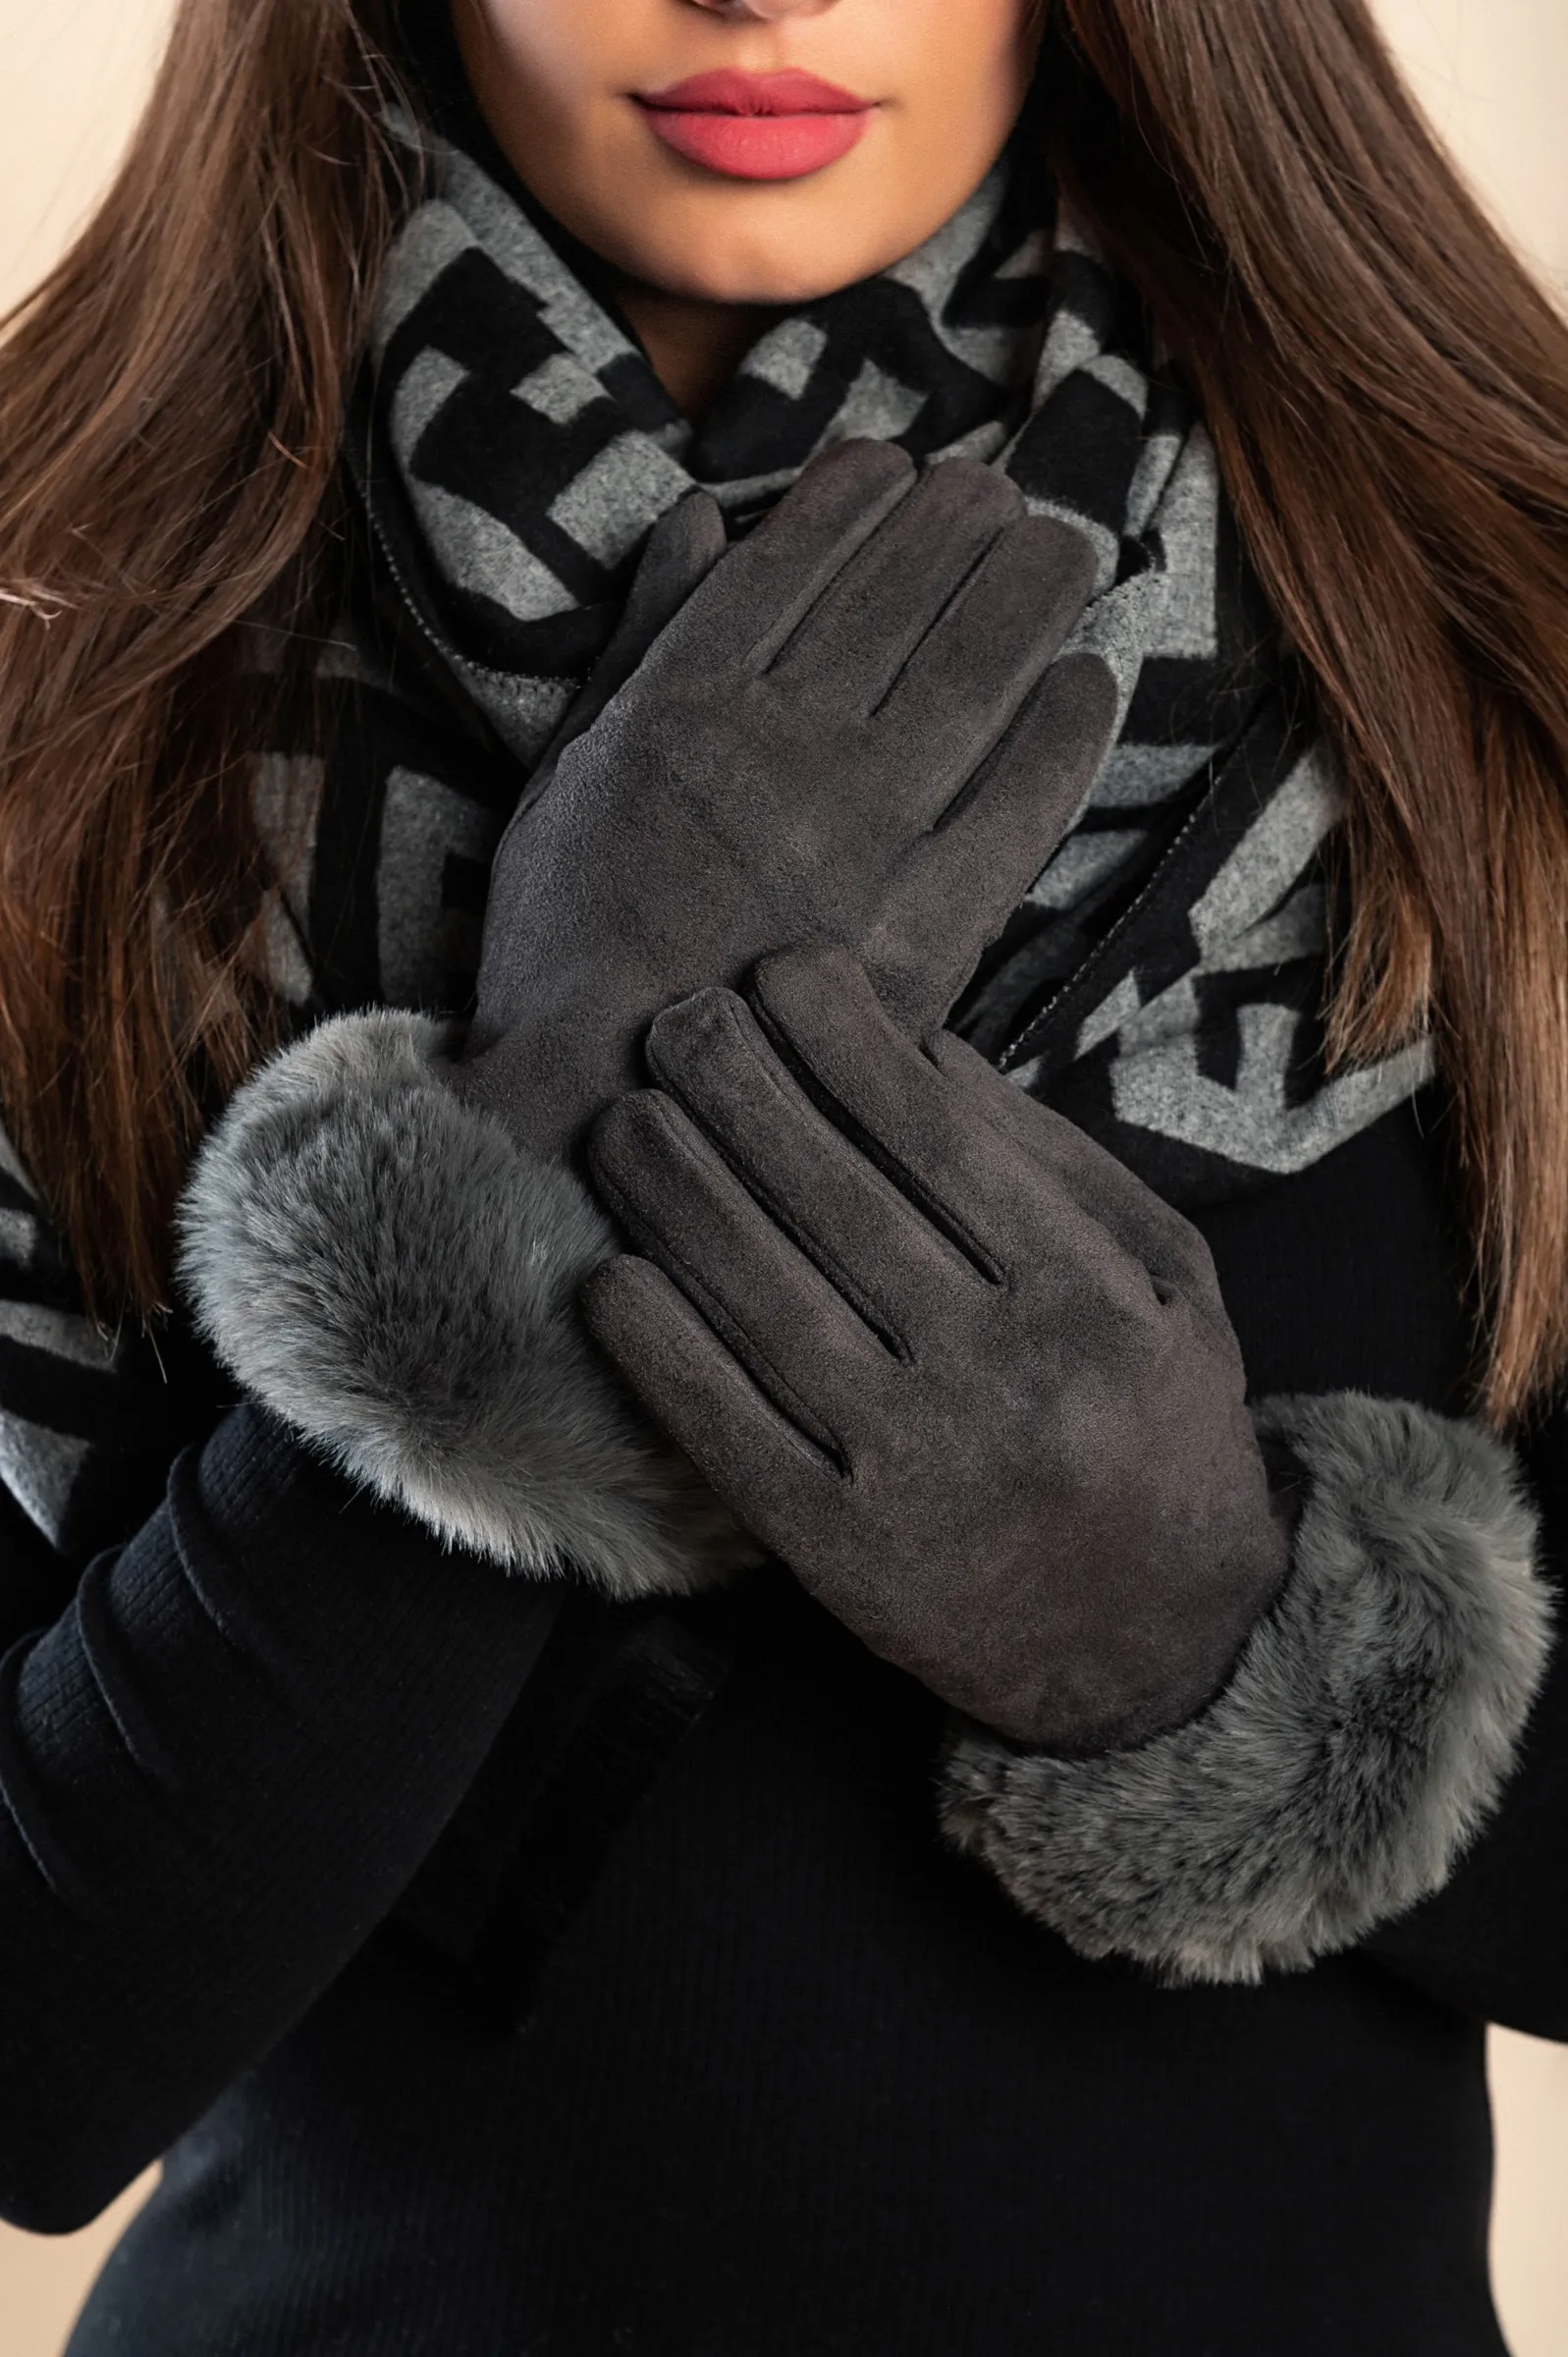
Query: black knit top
503	1975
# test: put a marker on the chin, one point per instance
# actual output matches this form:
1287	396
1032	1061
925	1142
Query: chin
779	263
768	281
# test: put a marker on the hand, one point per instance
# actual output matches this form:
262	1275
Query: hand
859	727
964	1373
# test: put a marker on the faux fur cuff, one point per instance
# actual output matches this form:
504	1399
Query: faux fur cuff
396	1279
1363	1739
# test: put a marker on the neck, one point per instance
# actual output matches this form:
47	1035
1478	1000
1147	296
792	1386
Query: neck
695	346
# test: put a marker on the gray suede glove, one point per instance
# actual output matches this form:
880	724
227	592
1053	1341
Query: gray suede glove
859	727
967	1376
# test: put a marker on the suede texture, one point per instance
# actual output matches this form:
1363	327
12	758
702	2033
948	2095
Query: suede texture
967	1376
859	727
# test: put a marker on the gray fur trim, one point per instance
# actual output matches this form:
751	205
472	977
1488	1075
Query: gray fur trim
1362	1741
379	1263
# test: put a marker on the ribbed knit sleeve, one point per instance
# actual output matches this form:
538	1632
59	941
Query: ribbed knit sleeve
89	1420
218	1771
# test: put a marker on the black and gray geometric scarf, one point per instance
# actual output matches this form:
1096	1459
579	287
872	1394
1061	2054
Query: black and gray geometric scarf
1162	981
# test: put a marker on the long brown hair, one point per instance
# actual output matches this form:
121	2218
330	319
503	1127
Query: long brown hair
1387	389
171	405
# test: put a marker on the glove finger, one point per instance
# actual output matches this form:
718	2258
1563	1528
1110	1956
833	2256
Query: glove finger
872	619
971	676
818	1361
959	884
901	1274
771	582
1170	1246
684	547
989	1196
773	1479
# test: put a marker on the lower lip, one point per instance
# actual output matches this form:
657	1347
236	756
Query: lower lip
758	146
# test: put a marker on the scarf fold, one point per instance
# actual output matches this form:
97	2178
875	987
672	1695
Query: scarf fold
1162	981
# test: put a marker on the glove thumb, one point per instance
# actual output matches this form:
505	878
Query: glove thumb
683	548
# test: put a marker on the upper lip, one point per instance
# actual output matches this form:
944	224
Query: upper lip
731	92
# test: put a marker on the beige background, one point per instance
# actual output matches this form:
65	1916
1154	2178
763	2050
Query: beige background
1494	76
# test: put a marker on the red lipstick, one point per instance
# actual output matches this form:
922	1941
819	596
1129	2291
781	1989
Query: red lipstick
757	126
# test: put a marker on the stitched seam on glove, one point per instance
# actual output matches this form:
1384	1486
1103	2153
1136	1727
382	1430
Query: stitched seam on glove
939	1216
810	1430
807	1238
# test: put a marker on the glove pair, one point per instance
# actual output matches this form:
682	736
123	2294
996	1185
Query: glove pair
949	1361
967	1376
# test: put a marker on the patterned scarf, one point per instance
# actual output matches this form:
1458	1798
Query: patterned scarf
1162	981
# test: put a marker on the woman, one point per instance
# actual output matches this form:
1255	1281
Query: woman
1021	1747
